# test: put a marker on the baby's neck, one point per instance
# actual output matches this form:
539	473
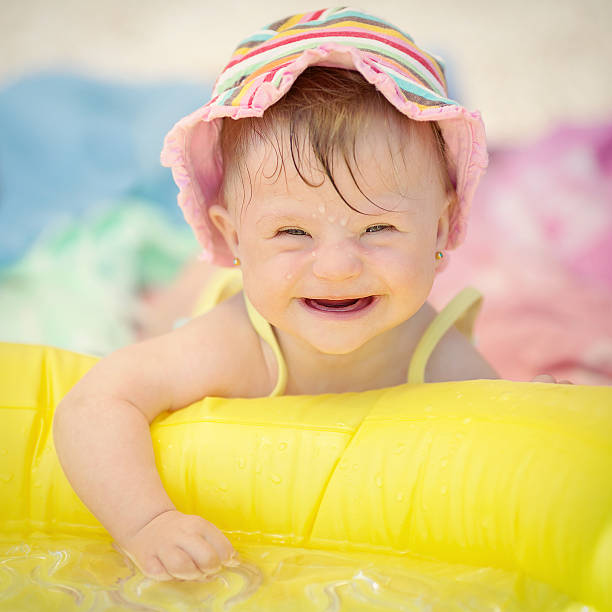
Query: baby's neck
382	362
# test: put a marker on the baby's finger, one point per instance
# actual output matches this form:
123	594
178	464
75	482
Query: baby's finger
223	547
544	378
202	553
179	564
154	568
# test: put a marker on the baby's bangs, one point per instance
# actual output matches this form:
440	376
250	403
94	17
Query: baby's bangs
323	114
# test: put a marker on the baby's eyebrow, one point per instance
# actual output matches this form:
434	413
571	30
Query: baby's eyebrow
297	219
278	219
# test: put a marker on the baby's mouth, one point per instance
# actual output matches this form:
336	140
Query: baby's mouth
341	305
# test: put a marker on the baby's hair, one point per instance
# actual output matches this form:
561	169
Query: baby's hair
325	110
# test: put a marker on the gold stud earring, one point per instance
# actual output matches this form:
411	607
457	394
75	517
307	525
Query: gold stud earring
439	254
236	261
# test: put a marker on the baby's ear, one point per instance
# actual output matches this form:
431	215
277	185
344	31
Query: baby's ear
444	222
225	223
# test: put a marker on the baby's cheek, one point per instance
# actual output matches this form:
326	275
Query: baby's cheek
269	284
408	272
395	263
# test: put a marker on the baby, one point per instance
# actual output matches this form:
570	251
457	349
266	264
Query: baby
330	173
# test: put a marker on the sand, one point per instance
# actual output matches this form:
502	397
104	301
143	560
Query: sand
527	65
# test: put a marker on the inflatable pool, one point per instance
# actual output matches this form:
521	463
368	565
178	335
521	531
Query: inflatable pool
480	495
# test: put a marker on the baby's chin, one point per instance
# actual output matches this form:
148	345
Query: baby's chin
337	343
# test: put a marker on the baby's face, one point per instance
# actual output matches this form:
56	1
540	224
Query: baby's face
331	276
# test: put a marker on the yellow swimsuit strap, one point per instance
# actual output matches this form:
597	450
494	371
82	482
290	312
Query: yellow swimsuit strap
222	285
461	311
264	329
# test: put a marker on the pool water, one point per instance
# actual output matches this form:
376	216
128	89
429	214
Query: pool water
68	573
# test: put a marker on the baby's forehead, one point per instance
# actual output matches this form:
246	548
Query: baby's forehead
379	154
326	210
290	197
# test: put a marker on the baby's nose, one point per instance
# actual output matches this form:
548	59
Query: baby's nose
337	261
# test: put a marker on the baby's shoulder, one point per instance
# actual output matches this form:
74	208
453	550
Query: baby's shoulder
224	339
456	358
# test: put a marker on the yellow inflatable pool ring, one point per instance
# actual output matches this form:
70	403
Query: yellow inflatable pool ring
497	474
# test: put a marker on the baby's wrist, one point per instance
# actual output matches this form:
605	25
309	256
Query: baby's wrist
129	529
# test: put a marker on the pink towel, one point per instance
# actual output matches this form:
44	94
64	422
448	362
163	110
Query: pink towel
539	247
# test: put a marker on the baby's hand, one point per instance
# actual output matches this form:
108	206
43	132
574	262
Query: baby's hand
547	378
177	545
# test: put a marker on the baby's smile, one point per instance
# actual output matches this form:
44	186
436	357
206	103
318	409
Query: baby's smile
340	306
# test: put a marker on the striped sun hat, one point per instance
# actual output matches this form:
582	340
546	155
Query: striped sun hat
264	67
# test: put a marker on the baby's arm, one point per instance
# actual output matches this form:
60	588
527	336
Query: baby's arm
101	432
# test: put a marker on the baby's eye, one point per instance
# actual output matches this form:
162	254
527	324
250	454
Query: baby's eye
293	231
378	228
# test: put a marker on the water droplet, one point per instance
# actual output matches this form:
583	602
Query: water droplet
321	208
444	462
241	462
258	468
444	490
467	421
355	466
6	477
343	221
331	219
289	276
399	449
275	478
378	480
399	497
222	487
282	446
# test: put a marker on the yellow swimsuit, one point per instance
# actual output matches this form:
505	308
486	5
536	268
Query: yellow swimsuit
461	311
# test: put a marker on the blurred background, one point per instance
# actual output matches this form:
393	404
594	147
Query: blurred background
93	248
